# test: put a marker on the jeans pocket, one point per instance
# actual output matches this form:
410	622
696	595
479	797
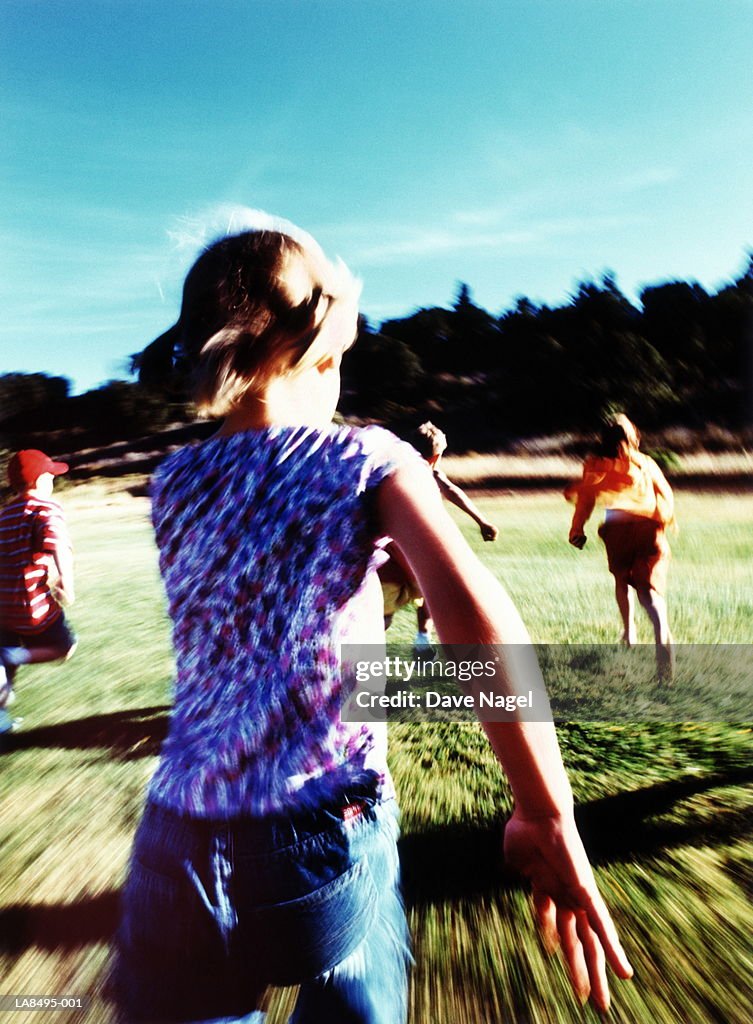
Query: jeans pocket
158	914
296	940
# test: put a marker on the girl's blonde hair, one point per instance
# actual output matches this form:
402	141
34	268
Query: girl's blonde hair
256	305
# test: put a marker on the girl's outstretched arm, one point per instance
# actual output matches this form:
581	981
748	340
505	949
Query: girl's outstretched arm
458	497
541	839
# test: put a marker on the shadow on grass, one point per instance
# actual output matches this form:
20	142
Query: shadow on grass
443	864
54	926
618	828
456	861
128	735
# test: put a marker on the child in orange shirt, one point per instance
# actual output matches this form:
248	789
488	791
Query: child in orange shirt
639	507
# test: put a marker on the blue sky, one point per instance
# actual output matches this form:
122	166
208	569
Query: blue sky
518	146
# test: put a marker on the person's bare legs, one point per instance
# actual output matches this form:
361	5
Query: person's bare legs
656	609
424	622
626	603
15	656
12	657
423	646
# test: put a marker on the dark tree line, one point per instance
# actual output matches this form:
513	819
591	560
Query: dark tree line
681	355
35	406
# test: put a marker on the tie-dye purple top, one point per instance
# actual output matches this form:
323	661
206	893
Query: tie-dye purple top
268	552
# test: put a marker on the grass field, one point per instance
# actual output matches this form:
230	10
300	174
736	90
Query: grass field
666	809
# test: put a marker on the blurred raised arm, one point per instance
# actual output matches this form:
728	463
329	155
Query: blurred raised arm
459	498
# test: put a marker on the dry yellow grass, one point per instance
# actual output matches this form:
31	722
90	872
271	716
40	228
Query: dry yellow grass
475	469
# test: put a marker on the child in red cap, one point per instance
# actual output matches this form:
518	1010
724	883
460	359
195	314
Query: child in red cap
33	536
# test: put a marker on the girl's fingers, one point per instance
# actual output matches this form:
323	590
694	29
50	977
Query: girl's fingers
602	924
573	953
563	884
593	953
546	915
579	891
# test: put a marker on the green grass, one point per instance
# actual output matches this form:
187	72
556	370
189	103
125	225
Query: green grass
666	808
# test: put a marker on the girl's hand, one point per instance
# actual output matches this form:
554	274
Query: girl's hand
489	531
571	913
578	541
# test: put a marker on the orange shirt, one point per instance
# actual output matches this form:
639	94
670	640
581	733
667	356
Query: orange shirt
631	484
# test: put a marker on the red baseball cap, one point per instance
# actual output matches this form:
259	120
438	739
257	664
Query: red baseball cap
26	467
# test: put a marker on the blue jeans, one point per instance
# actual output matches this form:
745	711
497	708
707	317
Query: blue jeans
214	912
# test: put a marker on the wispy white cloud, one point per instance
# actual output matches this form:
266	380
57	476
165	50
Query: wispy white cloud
398	244
645	178
69	304
511	209
525	192
480	218
76	326
570	159
516	155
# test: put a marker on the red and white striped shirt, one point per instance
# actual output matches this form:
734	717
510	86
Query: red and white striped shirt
31	531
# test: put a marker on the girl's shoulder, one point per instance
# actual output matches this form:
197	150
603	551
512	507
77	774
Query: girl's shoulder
645	461
370	452
375	440
377	451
